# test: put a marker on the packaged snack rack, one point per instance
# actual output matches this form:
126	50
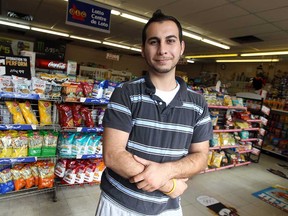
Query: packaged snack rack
92	104
7	124
229	148
255	105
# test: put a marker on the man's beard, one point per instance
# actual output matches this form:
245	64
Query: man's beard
161	70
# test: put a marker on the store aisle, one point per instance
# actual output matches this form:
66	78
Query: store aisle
232	187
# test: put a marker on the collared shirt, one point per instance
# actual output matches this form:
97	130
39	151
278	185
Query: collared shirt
157	132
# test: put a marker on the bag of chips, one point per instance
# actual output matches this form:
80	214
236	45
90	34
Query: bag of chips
45	109
28	113
15	110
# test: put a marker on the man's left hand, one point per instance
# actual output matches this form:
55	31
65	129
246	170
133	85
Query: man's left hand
154	176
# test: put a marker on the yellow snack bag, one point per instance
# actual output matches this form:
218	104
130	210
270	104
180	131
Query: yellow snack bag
45	109
14	109
28	113
20	146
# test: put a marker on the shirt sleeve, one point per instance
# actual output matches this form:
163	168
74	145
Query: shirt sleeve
203	129
118	113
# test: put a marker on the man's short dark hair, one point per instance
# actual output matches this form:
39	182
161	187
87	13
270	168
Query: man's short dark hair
158	16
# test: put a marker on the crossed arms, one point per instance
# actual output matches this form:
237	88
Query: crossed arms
148	175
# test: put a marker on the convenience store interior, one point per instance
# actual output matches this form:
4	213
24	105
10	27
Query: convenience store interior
245	26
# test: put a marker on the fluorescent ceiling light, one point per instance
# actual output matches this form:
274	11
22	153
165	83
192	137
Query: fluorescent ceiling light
191	35
215	43
135	18
265	53
115	12
14	25
85	39
136	49
212	56
116	45
190	61
248	60
49	32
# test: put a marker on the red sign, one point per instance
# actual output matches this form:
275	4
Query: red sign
43	63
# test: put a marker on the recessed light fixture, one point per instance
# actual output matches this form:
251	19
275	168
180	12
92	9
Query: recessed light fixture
247	60
85	39
212	56
266	53
16	25
49	32
116	45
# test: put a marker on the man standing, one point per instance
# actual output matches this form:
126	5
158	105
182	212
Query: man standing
156	131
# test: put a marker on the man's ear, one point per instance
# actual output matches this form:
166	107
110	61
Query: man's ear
142	52
182	47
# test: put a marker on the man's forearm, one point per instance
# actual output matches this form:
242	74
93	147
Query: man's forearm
123	164
188	166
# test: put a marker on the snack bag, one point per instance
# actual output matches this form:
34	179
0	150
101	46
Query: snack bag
60	168
87	89
19	181
38	86
6	84
65	115
66	140
46	175
79	144
5	145
45	109
216	159
70	174
87	117
6	181
28	113
50	143
55	90
36	141
100	166
20	145
80	173
21	85
6	115
210	155
28	177
92	144
14	109
89	173
109	90
35	173
77	117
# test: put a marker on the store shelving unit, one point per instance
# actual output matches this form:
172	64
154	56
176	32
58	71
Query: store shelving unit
92	103
237	147
277	138
254	104
33	98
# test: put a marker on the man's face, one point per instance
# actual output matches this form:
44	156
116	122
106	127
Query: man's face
163	48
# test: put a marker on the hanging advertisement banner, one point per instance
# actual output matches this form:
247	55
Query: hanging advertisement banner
88	14
48	49
10	46
15	65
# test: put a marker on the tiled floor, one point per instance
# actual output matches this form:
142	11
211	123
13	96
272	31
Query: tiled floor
232	187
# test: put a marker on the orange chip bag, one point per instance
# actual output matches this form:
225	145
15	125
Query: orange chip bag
46	176
45	109
28	177
19	181
35	173
28	113
14	109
